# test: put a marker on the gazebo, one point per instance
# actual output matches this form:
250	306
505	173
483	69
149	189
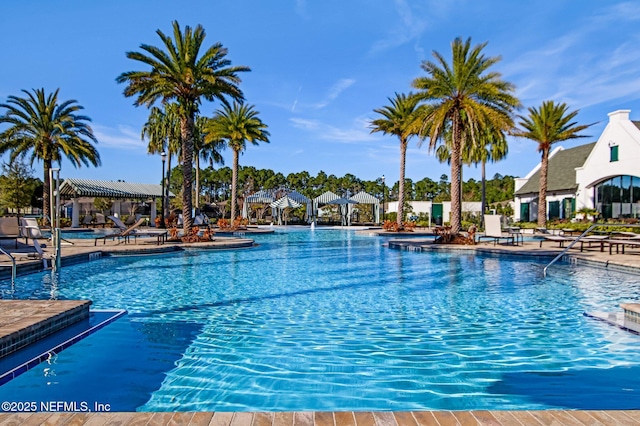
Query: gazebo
118	190
261	197
366	198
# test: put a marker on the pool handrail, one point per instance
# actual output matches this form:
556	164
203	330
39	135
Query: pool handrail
13	265
595	225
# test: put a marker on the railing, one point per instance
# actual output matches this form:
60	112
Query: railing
595	225
13	265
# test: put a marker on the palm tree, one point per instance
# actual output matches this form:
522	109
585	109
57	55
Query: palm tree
47	130
398	119
163	131
547	125
237	124
180	73
206	151
492	146
464	97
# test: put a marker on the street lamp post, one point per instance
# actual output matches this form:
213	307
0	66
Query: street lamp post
164	158
383	195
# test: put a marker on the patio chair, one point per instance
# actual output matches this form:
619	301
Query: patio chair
10	229
39	254
30	229
100	221
124	234
119	223
620	243
87	221
493	230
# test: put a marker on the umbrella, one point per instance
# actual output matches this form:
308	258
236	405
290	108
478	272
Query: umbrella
345	209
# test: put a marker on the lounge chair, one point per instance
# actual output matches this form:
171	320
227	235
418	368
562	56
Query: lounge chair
119	223
87	221
589	239
39	254
124	234
10	229
620	243
100	221
493	230
30	229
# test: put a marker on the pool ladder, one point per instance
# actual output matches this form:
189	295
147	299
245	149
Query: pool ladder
13	264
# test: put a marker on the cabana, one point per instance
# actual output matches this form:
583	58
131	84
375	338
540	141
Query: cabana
296	196
260	197
118	190
365	198
332	198
282	204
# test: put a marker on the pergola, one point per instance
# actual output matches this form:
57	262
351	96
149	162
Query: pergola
366	198
118	190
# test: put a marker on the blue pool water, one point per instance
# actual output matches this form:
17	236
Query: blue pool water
329	320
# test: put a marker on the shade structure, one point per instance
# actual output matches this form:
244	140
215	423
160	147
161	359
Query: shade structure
262	197
295	195
365	198
282	204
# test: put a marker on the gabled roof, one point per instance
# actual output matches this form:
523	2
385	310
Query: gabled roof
365	198
109	189
562	171
637	123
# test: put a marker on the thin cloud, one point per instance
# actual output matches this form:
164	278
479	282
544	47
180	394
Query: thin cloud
335	91
122	137
358	132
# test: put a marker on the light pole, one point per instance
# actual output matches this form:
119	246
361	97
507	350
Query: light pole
164	158
383	191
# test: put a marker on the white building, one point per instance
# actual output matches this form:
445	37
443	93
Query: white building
604	175
438	212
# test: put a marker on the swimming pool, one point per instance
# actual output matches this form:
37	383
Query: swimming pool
329	320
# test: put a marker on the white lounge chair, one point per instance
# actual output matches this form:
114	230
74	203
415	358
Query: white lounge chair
493	230
30	229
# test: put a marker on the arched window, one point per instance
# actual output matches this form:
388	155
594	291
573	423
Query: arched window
618	197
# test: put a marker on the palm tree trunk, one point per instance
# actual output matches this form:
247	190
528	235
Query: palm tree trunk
483	204
456	166
166	188
186	131
197	158
46	201
234	184
403	159
542	198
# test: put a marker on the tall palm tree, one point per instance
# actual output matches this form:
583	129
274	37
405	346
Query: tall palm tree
180	73
47	130
206	151
547	125
491	146
398	119
163	131
236	124
466	97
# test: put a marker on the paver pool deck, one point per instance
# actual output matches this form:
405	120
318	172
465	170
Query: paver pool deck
81	250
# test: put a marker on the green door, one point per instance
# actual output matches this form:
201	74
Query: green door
436	212
554	210
524	212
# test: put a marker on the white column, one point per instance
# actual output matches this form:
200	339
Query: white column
75	213
116	208
152	220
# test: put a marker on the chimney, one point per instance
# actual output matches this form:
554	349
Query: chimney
619	115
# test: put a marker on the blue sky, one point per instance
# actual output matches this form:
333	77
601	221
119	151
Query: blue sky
320	68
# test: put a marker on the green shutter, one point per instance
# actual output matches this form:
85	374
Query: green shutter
614	153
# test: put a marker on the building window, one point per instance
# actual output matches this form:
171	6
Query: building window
613	153
618	197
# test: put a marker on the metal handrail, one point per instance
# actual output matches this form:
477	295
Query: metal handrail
595	225
13	265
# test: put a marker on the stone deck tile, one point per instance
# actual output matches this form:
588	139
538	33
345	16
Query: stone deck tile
221	419
404	418
323	418
283	419
436	418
